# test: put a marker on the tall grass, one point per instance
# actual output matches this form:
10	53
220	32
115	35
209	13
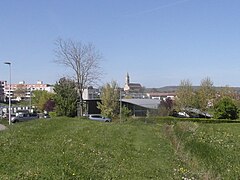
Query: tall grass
209	151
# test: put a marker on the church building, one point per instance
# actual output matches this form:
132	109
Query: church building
132	87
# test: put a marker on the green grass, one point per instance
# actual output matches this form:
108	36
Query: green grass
209	151
71	148
80	149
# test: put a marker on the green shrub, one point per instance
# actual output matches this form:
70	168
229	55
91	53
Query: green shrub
226	109
52	114
125	113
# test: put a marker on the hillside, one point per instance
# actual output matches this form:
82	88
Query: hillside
82	149
71	148
174	89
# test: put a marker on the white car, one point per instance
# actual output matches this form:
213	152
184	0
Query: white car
98	117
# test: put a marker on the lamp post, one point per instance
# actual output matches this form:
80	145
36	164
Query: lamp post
120	105
30	100
9	93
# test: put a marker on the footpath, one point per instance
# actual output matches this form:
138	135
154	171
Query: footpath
2	127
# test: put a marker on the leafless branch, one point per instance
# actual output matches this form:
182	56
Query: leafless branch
83	59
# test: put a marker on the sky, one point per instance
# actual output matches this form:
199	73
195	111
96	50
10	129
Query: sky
158	42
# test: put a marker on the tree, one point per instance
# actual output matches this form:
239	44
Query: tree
40	98
125	113
185	95
66	97
49	105
83	60
227	92
226	109
20	91
165	107
109	105
205	94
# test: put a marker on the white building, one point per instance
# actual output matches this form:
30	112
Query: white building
91	93
161	95
23	90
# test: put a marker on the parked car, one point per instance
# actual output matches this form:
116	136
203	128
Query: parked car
98	117
23	117
45	116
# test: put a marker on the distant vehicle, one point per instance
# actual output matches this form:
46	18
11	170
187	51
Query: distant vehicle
23	117
183	114
45	116
191	113
4	115
98	117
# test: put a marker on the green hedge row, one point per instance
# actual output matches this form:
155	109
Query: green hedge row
170	119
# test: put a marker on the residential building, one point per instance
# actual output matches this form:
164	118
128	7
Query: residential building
23	91
161	95
2	97
91	93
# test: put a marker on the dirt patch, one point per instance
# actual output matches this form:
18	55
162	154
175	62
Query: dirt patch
2	127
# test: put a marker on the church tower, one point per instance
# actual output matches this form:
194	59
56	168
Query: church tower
127	81
131	87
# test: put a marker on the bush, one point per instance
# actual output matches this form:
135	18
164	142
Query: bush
52	114
125	113
226	109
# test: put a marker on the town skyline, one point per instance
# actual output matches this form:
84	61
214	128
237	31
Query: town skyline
159	43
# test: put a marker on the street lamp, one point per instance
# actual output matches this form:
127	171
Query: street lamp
120	105
30	102
9	93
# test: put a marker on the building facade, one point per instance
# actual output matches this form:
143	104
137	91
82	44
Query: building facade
161	95
23	91
2	96
91	93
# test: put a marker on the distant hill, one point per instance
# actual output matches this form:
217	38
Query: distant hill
162	89
174	89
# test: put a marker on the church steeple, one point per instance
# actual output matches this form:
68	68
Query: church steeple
127	79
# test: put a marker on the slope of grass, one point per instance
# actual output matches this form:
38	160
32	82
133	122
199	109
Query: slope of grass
66	148
209	151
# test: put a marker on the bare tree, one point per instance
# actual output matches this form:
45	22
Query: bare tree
185	95
83	60
206	94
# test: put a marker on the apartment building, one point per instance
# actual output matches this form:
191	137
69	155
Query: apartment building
23	91
91	93
2	84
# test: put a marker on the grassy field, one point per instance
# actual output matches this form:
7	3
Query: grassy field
209	151
82	149
66	148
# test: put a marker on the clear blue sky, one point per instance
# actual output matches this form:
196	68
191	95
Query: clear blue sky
159	42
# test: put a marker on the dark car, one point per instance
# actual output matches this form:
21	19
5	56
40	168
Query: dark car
23	117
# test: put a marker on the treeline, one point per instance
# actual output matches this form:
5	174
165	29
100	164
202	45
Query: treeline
223	102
